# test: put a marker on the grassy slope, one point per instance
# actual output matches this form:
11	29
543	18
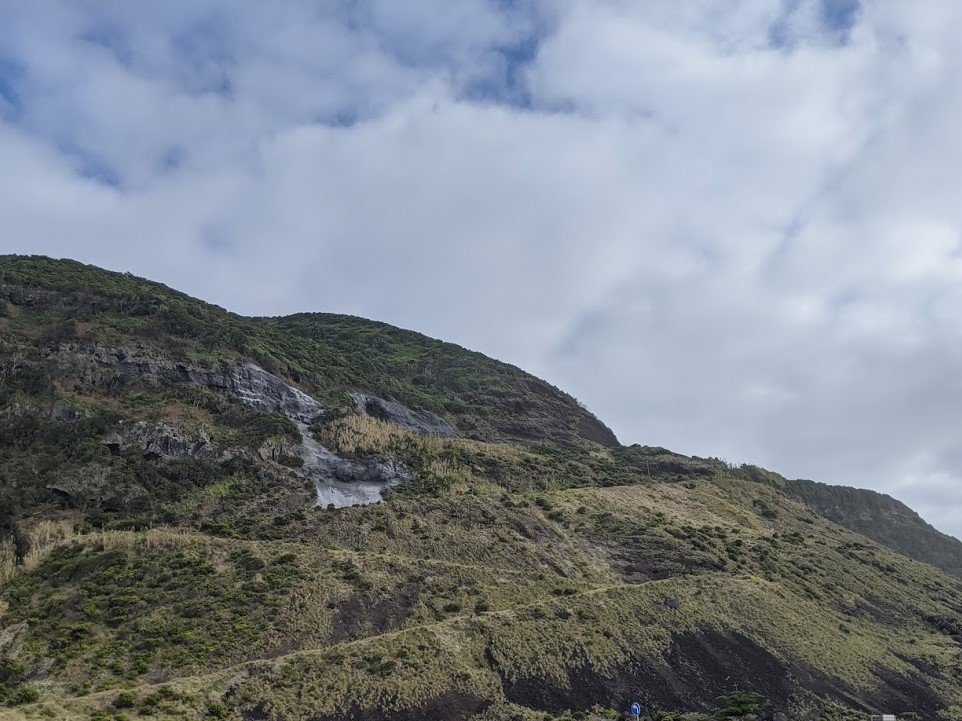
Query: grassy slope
513	571
820	600
876	515
883	519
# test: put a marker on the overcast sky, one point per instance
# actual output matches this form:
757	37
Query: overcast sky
730	227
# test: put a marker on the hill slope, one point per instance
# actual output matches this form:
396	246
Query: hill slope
164	554
878	516
883	519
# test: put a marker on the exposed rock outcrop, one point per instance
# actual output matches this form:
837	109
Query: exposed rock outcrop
266	392
420	421
247	382
63	412
347	481
339	481
164	441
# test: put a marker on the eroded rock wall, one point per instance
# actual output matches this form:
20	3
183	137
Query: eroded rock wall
339	481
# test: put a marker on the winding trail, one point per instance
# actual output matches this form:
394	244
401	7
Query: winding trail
209	678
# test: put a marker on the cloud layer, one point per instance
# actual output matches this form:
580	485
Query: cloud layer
733	229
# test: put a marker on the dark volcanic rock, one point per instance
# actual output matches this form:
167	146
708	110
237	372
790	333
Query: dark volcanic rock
450	706
164	441
420	421
372	615
592	429
698	669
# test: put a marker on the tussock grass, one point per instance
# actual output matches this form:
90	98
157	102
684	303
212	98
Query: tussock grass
45	535
395	671
8	560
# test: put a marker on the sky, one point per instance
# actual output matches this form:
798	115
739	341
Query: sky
732	228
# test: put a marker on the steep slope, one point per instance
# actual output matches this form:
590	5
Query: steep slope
163	553
487	400
876	515
64	302
883	519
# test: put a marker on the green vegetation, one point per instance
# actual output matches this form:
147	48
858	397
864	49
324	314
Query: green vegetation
160	555
103	611
14	690
883	519
62	301
739	704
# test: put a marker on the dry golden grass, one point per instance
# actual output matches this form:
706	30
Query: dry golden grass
7	560
704	504
438	457
159	538
358	435
44	536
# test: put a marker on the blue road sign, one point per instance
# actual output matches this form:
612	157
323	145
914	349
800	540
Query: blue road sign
636	709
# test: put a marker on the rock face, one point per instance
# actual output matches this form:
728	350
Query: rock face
339	481
420	421
164	441
247	382
63	412
345	481
266	392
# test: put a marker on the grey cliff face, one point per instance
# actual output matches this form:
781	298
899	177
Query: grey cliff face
61	412
266	392
345	482
247	382
420	421
339	481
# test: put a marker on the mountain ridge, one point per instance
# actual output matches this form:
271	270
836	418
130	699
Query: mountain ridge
162	551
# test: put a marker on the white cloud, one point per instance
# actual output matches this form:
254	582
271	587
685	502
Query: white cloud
732	229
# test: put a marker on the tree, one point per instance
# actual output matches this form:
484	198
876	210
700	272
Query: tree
739	704
837	712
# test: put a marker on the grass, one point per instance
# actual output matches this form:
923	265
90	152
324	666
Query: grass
790	592
55	302
520	557
392	671
100	613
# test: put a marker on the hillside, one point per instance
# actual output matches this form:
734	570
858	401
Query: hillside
883	519
876	515
179	538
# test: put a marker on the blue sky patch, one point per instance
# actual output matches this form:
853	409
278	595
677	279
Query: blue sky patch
92	167
206	58
837	18
840	15
112	40
10	75
507	84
